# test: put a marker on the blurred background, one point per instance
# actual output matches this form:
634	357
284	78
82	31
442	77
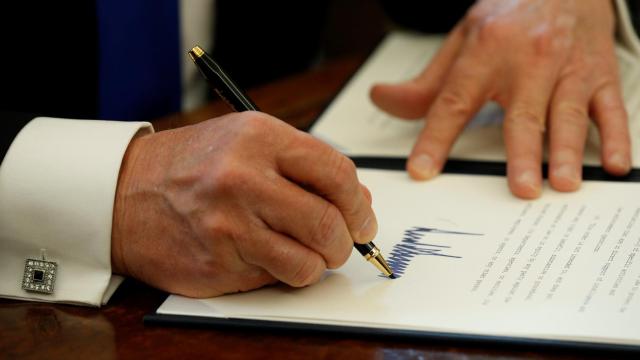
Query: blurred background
126	59
256	47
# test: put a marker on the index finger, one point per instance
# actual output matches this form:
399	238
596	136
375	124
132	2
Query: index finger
315	165
464	93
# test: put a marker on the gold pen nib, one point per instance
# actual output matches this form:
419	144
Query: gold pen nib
196	52
375	257
382	265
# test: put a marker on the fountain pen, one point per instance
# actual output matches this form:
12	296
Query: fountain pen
238	100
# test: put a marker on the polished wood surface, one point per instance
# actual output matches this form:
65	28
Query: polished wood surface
54	331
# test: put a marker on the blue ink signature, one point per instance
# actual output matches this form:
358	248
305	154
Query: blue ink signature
410	246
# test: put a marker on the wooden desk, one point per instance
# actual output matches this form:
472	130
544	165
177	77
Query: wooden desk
36	330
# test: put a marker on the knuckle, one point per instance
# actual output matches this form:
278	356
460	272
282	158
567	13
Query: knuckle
325	231
576	75
608	84
227	177
553	36
269	254
307	272
217	226
592	69
474	16
572	115
212	269
612	112
605	61
301	144
524	120
344	174
601	63
492	29
341	256
545	42
255	124
567	153
254	118
457	103
609	100
305	140
435	142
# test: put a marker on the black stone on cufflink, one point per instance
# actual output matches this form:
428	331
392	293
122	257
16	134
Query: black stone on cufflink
39	276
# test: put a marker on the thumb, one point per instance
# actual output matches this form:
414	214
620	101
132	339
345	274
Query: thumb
412	99
407	100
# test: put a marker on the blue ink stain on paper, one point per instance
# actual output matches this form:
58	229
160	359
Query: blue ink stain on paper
402	253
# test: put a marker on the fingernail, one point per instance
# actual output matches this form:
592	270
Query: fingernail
529	180
369	229
423	166
619	160
567	173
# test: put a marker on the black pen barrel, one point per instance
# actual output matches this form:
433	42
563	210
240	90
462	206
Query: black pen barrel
223	85
364	249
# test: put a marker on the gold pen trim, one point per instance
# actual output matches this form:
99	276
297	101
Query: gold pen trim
375	257
196	52
372	254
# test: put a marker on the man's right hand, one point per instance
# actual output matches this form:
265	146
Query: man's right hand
233	204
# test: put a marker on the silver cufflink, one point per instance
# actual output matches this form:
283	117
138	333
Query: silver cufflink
39	274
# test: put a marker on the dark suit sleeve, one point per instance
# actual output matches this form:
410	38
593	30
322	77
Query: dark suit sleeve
10	125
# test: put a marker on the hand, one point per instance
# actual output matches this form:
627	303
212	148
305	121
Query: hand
233	204
548	63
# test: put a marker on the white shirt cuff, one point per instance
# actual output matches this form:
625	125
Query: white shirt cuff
57	188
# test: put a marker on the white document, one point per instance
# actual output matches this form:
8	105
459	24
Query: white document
473	259
353	124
